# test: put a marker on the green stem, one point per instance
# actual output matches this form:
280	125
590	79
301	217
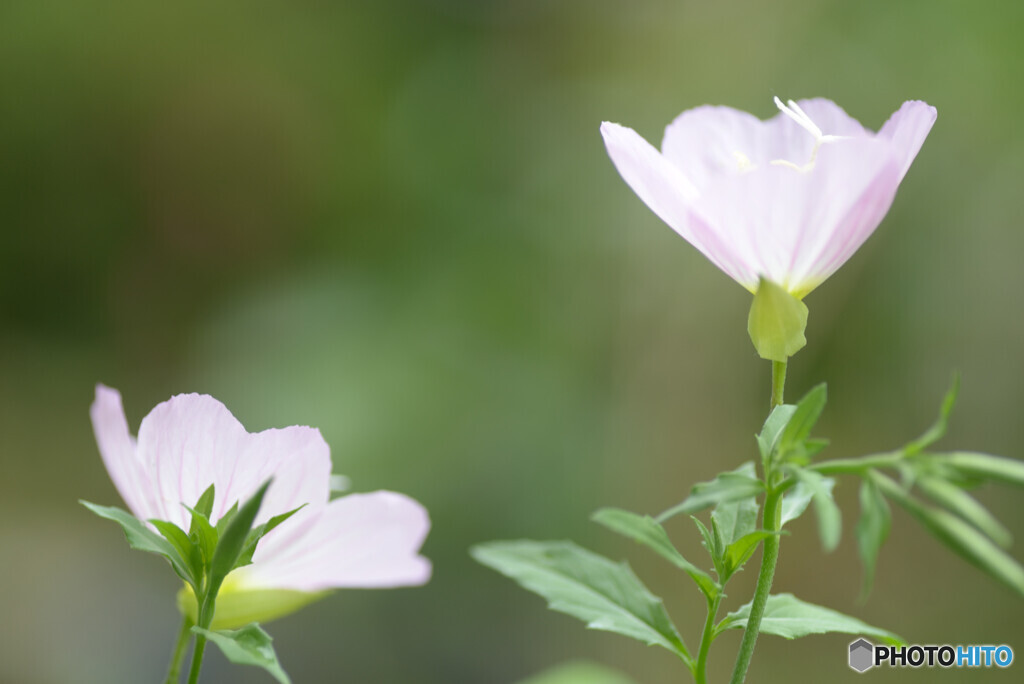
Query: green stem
206	611
178	655
859	466
778	382
700	673
769	557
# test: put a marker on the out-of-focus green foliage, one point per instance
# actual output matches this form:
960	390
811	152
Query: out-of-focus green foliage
395	221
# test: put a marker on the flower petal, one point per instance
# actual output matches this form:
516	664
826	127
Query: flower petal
192	440
785	224
667	192
359	540
118	451
906	129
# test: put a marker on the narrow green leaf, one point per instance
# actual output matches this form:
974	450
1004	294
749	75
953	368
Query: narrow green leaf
204	506
787	616
830	524
938	429
605	595
771	431
957	501
643	529
141	537
726	487
795	502
230	544
807	412
249	645
1008	470
258	532
203	533
711	543
958	536
225	520
872	530
187	549
740	551
739	517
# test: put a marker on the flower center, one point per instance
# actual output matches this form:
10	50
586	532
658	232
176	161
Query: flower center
794	112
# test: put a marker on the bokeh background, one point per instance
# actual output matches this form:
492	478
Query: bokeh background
395	220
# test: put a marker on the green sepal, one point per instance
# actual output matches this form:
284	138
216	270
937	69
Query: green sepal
604	594
645	530
141	537
249	645
204	506
203	534
777	322
787	616
225	520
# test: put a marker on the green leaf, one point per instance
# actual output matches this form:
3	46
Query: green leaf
1008	470
203	534
938	429
962	538
830	524
249	645
737	518
776	322
605	595
579	673
231	543
729	486
225	520
257	533
957	501
186	548
787	616
771	432
795	502
807	412
740	551
713	544
141	537
643	529
872	530
204	506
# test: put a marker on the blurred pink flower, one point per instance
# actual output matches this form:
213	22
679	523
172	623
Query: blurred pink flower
789	199
192	440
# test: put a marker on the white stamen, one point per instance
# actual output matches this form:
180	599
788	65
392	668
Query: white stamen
794	112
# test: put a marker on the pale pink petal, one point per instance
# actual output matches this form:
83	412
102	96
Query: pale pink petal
191	441
118	451
782	220
907	129
360	540
708	142
832	119
666	191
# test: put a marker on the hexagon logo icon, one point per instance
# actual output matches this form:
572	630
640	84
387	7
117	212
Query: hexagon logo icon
862	655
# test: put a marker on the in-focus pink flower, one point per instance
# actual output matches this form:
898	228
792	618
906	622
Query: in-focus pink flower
191	441
789	199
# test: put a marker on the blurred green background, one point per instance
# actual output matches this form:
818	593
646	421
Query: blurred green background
396	221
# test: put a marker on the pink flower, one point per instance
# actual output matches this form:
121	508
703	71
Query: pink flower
191	441
789	199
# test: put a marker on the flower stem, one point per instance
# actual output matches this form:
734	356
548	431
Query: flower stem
178	655
770	522
206	610
700	673
770	555
778	382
